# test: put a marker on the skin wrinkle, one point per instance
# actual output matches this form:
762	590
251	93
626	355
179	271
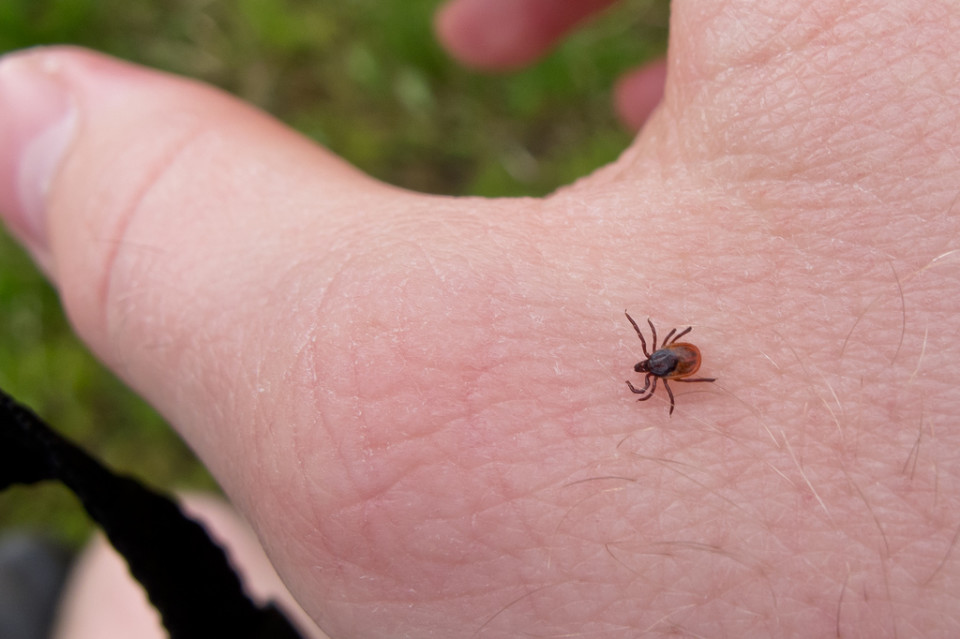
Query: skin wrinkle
189	133
117	239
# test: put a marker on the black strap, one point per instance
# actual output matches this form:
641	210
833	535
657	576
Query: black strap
186	575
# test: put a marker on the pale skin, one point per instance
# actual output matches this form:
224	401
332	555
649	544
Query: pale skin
419	402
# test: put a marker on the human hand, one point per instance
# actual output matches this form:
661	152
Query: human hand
419	401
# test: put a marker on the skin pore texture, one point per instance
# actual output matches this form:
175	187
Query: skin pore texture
419	402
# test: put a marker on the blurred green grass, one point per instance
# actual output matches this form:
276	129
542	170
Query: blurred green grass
364	78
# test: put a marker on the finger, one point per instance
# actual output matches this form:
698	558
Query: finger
505	34
638	93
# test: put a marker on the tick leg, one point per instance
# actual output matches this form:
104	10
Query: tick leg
670	393
651	386
653	329
667	338
679	335
643	342
697	379
642	390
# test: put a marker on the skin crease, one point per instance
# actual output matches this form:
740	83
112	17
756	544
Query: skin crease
419	402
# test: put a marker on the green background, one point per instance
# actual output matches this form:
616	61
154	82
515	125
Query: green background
366	79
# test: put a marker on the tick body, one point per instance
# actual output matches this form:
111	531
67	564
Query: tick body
674	361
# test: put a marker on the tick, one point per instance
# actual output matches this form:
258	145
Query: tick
674	360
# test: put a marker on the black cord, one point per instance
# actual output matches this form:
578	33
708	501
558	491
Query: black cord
186	575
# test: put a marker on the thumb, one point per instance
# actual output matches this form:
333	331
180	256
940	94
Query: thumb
170	217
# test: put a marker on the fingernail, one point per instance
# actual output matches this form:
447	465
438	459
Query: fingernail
38	117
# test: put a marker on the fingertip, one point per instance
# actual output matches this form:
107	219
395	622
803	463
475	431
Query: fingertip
476	35
638	93
38	117
506	34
